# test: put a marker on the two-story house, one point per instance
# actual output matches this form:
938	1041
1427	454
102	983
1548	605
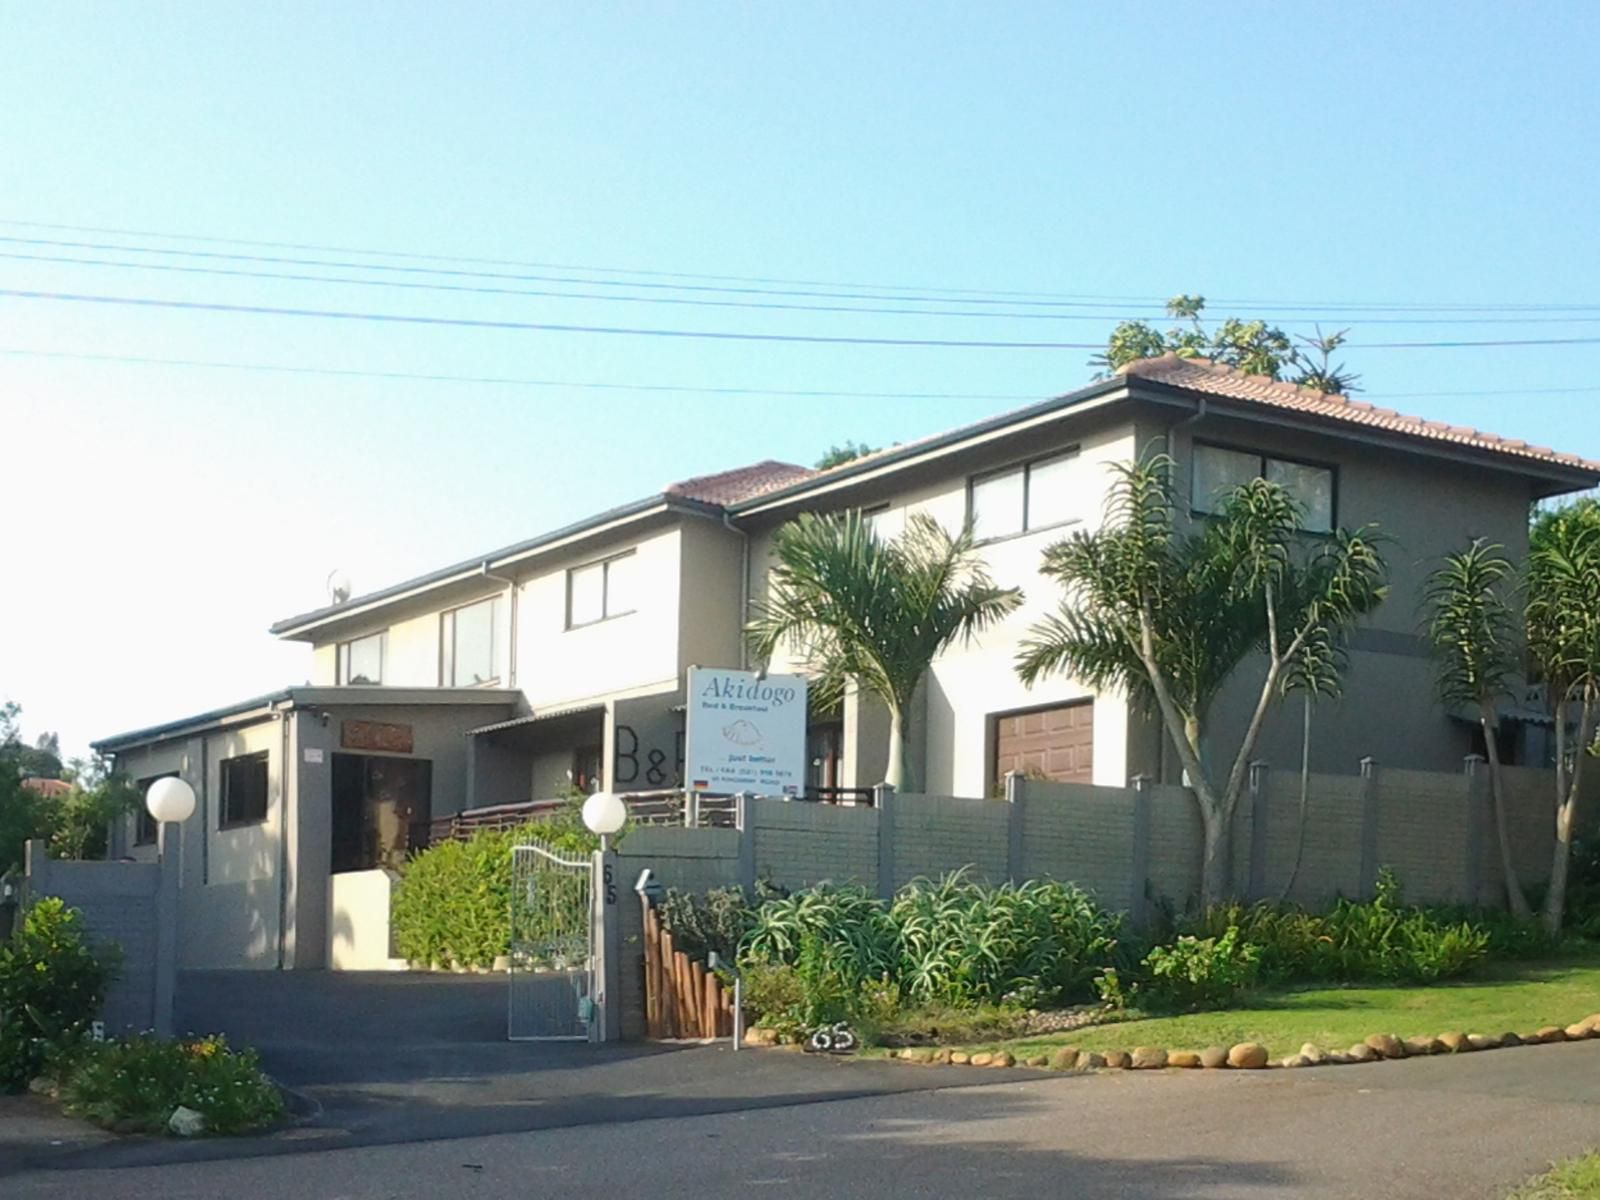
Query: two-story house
559	662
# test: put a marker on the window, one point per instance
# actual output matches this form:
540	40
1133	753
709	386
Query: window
1021	499
144	825
1218	471
601	590
470	642
244	790
361	660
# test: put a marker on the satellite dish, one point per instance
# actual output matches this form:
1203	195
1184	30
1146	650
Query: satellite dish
338	587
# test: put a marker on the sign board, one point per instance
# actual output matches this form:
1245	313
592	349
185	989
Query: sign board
745	733
375	735
313	754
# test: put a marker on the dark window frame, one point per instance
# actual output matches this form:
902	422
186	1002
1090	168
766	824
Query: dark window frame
605	590
146	829
225	818
1264	457
341	652
1025	466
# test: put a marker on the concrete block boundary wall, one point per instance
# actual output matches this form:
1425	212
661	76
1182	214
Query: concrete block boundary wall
1132	847
131	906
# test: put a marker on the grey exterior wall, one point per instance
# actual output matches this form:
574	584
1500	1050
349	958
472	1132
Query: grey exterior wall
126	911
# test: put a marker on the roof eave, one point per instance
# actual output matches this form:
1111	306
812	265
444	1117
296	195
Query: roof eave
873	464
1565	476
297	627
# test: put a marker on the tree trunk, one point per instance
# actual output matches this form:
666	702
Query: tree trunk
899	774
1305	801
1555	903
1216	883
1515	899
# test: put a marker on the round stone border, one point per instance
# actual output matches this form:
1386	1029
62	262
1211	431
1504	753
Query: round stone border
1245	1056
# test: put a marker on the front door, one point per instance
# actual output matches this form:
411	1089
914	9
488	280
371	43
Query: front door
381	807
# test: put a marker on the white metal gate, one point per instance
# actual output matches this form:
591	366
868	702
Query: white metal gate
552	947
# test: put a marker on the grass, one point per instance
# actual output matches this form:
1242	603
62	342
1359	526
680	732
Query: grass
1516	998
1576	1179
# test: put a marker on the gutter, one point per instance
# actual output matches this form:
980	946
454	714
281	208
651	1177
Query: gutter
511	620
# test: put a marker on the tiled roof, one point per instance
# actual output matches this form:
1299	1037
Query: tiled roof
743	483
1202	375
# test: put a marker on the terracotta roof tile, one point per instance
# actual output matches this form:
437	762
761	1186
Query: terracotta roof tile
1202	375
743	483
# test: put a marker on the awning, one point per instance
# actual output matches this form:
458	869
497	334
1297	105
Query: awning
548	714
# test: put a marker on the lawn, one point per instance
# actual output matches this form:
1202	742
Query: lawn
1578	1179
1516	999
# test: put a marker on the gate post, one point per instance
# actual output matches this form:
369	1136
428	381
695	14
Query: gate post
605	945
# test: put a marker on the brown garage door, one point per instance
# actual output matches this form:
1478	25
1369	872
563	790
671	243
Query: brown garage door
1047	743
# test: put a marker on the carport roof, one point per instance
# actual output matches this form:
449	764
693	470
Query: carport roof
548	714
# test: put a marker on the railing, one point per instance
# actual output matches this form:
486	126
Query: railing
664	806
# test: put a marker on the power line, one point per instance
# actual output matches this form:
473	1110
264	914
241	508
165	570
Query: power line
508	380
699	302
535	326
527	278
971	296
705	334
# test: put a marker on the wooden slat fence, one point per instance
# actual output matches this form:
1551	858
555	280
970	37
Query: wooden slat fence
682	998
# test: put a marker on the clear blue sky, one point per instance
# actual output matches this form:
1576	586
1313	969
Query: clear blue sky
1262	154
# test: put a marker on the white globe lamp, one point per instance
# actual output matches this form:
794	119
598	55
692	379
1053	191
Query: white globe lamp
604	813
170	799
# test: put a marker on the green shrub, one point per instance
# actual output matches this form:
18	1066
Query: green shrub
1035	943
848	924
452	905
718	920
954	942
137	1083
1378	940
51	988
1194	974
775	996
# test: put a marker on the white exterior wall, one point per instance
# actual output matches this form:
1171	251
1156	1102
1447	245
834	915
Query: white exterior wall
635	652
969	685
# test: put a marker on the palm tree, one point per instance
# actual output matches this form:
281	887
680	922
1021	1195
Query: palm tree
1168	617
859	611
1477	652
1563	626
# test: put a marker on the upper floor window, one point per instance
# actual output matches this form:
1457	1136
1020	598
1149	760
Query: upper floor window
361	659
601	590
1218	471
1020	499
244	790
469	644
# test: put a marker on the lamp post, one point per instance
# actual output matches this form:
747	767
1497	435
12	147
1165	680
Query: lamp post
171	802
605	814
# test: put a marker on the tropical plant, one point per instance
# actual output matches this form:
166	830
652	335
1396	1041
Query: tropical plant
1168	617
865	613
1477	651
850	922
1251	346
1038	942
846	451
1562	619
